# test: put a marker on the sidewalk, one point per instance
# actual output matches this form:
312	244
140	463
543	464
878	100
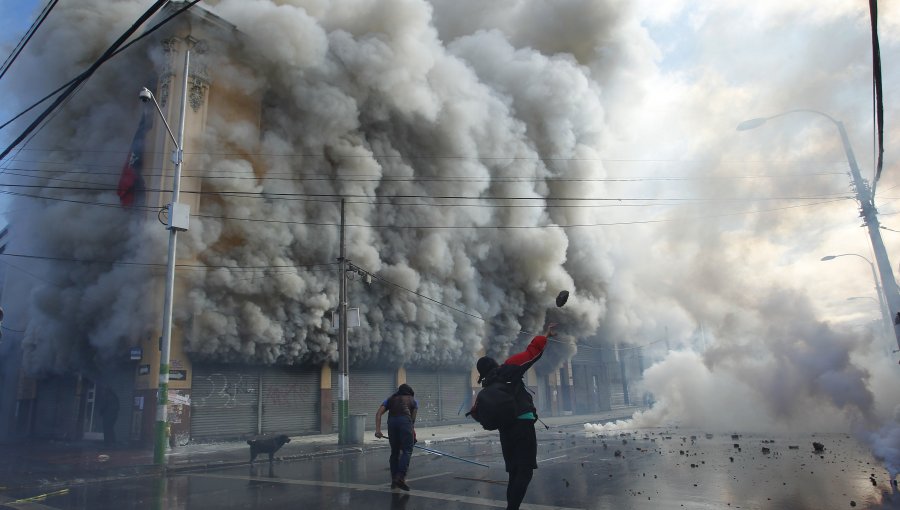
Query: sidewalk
51	464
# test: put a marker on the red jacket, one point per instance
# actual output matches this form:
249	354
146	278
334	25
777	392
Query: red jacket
513	370
531	353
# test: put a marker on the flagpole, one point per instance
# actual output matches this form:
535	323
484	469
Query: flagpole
162	431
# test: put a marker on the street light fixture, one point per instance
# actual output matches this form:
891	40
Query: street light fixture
867	212
882	306
179	215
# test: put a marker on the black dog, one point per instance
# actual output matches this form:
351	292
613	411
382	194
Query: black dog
266	444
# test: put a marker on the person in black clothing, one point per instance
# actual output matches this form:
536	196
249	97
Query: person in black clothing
518	439
401	408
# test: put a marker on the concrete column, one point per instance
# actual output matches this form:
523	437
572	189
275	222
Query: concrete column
326	413
554	393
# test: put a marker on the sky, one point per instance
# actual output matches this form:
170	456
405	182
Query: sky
596	143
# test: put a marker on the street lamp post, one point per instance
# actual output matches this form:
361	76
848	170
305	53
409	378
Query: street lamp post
867	212
882	306
178	220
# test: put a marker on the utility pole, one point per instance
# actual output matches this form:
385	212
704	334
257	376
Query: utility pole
179	217
870	218
343	362
867	212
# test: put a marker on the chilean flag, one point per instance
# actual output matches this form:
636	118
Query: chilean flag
131	183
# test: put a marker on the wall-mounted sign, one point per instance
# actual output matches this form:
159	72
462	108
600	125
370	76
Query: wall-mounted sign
143	369
352	318
177	375
137	353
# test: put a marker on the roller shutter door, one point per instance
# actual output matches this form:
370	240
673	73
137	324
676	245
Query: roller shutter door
456	395
224	402
584	391
428	395
290	400
368	389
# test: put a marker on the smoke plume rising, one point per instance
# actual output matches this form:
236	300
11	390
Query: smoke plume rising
491	155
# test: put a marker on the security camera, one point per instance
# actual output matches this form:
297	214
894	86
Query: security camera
145	95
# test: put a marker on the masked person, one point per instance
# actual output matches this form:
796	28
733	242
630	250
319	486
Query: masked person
401	408
518	439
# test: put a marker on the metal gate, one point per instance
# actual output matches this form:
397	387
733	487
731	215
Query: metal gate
428	395
224	401
456	395
368	389
290	400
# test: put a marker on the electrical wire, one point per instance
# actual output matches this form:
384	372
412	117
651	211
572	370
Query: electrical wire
27	37
85	74
83	77
150	264
480	157
383	178
135	210
488	321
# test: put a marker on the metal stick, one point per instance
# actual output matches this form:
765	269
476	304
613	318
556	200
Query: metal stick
448	455
445	454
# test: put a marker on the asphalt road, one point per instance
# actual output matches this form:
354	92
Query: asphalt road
654	469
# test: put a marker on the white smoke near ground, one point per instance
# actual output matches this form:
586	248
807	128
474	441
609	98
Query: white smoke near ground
403	107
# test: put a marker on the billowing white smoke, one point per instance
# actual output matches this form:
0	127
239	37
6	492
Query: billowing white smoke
786	377
364	100
392	103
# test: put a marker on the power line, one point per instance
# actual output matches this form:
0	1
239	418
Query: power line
83	77
151	264
85	74
476	157
308	177
329	224
338	196
27	37
487	321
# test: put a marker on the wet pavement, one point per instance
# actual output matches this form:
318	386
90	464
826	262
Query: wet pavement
659	469
55	464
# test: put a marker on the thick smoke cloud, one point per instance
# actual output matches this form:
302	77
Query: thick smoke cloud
364	100
709	241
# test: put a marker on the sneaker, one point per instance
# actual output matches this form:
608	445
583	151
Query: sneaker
394	484
402	484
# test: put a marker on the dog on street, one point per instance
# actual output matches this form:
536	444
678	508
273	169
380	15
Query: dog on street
266	444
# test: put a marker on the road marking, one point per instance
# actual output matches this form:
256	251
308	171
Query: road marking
486	480
428	476
11	503
380	488
552	458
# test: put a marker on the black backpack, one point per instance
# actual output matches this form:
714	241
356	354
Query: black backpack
495	406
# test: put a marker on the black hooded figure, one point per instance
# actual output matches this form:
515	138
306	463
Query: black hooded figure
518	439
401	408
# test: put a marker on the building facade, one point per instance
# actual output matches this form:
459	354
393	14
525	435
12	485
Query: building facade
210	401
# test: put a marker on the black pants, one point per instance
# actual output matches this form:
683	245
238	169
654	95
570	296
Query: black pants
400	435
519	445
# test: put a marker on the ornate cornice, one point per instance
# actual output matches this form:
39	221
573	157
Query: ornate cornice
198	77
